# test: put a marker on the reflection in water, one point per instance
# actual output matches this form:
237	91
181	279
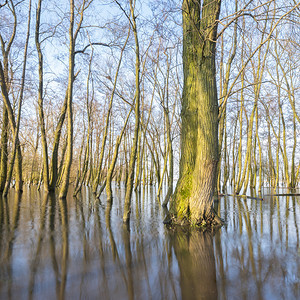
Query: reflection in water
65	246
36	257
12	227
79	248
258	251
195	255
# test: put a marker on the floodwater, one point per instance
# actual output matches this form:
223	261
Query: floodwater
80	249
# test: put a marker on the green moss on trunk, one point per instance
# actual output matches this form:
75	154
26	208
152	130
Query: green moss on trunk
193	197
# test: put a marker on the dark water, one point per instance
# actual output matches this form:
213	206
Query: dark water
80	249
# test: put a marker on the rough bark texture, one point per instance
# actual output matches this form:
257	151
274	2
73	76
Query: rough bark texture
193	197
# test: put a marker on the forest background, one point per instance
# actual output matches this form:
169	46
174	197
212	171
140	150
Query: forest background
72	71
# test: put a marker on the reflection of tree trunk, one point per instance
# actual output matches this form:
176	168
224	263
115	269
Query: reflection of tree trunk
196	260
36	256
102	257
65	247
128	256
114	248
2	218
221	264
11	238
14	225
52	241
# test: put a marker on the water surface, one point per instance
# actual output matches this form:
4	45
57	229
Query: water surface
79	249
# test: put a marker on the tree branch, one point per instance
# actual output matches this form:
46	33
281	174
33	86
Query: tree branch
92	44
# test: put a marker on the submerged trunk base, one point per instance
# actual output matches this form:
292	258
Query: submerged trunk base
206	222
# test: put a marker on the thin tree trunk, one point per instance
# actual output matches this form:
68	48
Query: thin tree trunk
16	144
107	122
87	151
72	36
5	48
41	100
68	161
4	152
114	160
224	95
54	157
129	184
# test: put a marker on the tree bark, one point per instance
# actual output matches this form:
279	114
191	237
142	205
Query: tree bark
68	162
193	197
41	100
130	180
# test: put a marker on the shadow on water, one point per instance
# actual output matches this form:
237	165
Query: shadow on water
79	249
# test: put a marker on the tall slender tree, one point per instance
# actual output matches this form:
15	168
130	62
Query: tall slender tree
41	99
130	180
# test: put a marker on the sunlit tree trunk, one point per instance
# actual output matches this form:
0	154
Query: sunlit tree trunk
41	100
54	157
130	180
239	181
16	143
69	154
108	116
169	154
73	34
193	197
141	146
8	113
114	160
291	96
5	122
4	152
81	165
258	71
87	153
223	91
34	163
16	148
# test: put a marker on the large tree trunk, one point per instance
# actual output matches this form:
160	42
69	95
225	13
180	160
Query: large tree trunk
193	197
